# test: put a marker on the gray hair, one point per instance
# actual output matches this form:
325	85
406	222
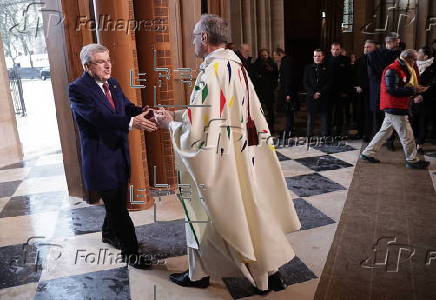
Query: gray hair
216	28
391	36
89	50
408	53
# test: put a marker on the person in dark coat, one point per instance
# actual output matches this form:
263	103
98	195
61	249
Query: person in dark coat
400	84
363	116
286	95
265	82
244	54
378	60
421	111
317	81
104	116
341	89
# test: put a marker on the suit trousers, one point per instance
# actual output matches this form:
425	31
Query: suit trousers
117	222
315	107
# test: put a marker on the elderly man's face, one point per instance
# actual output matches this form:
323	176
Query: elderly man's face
199	45
245	51
100	66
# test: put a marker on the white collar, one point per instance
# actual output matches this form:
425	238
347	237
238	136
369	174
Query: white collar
214	51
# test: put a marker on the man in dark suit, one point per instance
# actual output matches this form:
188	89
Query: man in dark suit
104	117
341	90
286	96
378	60
317	81
361	81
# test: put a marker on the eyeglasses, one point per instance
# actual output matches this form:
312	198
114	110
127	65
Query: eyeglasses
102	62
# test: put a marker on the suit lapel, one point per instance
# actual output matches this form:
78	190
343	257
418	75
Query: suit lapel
98	92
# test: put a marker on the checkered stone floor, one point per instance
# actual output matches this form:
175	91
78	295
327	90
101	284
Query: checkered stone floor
50	243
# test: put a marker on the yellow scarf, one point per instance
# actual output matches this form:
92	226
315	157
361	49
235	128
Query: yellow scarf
413	82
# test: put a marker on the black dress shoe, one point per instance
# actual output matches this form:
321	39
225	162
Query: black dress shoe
369	159
182	279
138	261
261	292
419	165
276	283
114	242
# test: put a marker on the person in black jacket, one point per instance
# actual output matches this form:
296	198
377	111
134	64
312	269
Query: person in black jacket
286	95
244	53
420	111
317	81
265	82
363	116
378	60
104	116
341	90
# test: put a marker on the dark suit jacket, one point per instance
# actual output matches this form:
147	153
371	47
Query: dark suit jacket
286	79
340	68
361	76
378	60
103	132
317	78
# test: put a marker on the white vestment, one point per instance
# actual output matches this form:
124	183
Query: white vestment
239	209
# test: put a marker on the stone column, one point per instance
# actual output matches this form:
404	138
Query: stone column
10	146
236	22
262	24
277	24
249	30
122	47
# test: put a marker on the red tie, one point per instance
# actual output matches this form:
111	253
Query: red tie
108	94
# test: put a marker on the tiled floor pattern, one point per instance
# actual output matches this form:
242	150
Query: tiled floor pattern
50	244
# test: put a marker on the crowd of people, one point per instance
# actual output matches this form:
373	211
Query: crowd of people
342	91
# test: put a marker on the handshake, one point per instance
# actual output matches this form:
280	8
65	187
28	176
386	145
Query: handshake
153	119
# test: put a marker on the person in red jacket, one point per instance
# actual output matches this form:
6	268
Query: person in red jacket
400	83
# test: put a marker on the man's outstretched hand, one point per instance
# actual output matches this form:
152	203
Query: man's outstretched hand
142	123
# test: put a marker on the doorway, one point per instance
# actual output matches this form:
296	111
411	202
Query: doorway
29	74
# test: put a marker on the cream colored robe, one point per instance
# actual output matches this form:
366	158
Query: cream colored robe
240	189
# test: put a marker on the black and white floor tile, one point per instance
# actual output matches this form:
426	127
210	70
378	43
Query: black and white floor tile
50	243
